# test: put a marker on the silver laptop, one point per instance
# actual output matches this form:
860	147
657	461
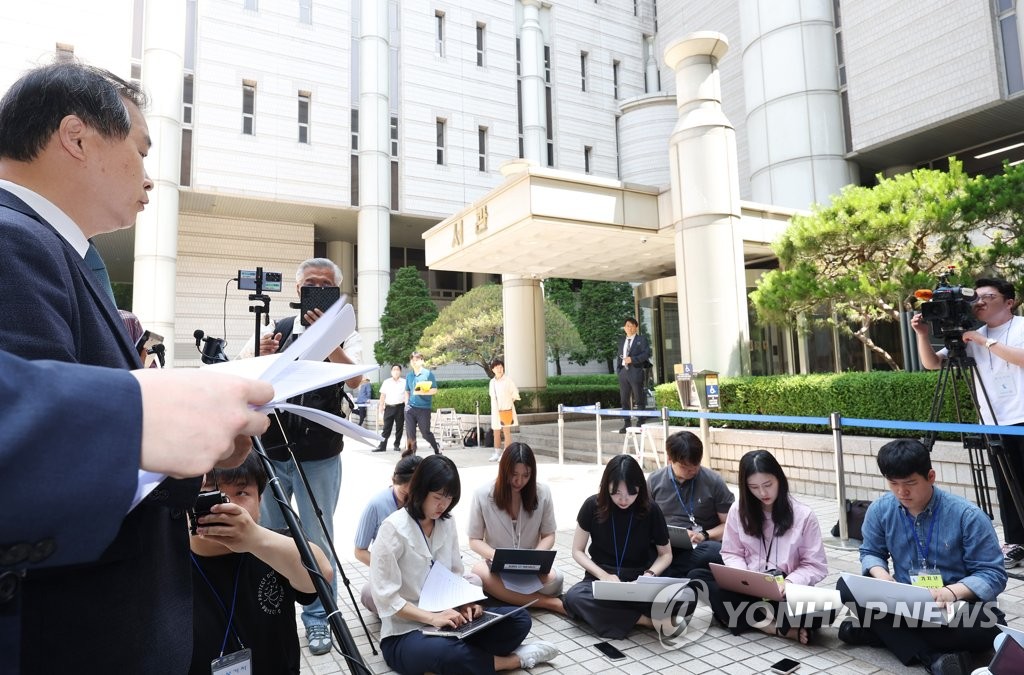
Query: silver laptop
485	620
644	589
679	537
747	582
912	602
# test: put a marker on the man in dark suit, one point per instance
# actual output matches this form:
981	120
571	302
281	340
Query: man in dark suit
72	144
633	357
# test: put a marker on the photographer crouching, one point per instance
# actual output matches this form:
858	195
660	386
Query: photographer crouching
997	348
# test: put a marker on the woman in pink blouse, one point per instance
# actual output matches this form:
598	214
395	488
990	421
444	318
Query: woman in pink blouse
767	531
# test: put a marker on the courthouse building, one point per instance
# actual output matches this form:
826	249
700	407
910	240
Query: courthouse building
659	142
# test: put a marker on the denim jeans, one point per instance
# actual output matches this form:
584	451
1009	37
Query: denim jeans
324	477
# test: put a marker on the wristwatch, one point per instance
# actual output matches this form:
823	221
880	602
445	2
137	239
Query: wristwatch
989	342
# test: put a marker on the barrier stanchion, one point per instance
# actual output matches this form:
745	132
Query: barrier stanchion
664	427
561	434
597	415
843	541
479	438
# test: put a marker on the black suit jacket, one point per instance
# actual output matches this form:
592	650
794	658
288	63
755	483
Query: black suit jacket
131	610
639	351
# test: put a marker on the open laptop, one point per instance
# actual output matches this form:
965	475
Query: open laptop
747	582
1009	658
912	602
644	589
679	537
485	620
522	561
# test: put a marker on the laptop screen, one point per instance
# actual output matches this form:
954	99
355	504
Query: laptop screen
1009	660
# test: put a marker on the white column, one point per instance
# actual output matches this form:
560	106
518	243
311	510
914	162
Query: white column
343	253
531	56
650	65
480	279
706	211
156	231
525	346
374	221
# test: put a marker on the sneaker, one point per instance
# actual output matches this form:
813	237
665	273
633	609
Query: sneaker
533	653
319	638
378	449
1013	556
852	634
495	456
956	663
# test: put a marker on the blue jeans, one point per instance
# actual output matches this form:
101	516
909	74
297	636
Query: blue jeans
324	477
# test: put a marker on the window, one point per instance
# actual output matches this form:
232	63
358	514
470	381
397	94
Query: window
480	28
354	160
440	141
481	147
136	71
394	162
1010	38
185	179
549	118
304	116
394	136
248	106
187	98
65	53
439	32
615	79
250	5
587	152
305	11
583	71
636	8
355	129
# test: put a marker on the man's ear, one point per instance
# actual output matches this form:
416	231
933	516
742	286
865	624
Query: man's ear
70	134
931	476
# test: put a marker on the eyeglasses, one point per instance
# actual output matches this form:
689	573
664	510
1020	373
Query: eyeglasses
988	297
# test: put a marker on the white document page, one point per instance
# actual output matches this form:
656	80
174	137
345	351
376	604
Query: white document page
443	589
521	583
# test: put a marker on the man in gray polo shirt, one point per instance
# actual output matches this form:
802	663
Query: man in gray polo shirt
692	497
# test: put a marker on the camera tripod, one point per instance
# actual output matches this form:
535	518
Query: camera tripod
961	370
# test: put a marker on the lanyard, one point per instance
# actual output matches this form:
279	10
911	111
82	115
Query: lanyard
922	551
767	548
619	559
234	596
693	489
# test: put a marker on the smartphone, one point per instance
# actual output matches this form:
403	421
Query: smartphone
313	297
785	666
609	651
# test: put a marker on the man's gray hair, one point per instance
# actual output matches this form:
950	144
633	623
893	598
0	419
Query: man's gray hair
319	263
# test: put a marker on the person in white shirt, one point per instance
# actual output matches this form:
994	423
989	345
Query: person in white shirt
392	407
504	394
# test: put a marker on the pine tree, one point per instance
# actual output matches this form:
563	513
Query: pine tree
407	313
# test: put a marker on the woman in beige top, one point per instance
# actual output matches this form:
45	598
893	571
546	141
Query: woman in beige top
515	512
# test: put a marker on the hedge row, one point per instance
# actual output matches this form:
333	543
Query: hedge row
877	395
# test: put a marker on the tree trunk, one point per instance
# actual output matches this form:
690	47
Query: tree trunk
865	338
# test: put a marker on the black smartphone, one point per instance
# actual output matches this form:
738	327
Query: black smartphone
609	651
785	666
314	297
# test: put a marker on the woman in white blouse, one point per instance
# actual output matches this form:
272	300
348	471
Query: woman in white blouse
409	541
504	394
515	512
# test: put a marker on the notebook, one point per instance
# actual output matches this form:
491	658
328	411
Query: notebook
747	582
485	620
522	561
679	537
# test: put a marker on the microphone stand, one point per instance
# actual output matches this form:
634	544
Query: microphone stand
259	297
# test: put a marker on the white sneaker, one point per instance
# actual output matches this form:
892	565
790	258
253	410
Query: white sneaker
533	653
495	456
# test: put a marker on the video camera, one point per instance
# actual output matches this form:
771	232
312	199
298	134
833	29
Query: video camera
947	309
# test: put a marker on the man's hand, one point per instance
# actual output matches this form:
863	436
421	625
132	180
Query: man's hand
627	360
919	325
975	337
312	315
230	525
193	420
269	343
697	536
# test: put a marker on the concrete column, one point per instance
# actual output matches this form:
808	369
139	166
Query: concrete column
650	65
706	211
156	231
525	345
794	126
374	220
480	279
343	253
531	55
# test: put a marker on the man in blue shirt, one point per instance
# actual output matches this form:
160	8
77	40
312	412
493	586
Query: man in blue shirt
420	387
936	540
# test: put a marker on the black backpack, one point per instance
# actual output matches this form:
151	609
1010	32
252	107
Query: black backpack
469	439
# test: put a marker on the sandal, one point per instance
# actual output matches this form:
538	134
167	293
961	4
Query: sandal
809	632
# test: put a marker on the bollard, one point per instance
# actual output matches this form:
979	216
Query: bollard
844	541
561	434
597	415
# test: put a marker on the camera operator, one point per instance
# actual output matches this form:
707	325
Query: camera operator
998	351
317	448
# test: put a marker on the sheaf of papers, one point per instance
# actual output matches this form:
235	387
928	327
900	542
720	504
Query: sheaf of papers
521	583
811	600
443	589
296	370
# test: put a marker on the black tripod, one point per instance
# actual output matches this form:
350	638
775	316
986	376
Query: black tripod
961	370
324	591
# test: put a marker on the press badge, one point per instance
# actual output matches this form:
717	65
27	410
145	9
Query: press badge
237	663
1004	385
926	577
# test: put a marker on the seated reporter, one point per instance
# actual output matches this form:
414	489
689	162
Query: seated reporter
937	540
515	512
408	543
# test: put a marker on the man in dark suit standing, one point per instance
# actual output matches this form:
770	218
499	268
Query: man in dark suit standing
634	356
72	144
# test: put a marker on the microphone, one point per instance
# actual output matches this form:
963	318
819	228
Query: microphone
158	351
198	335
